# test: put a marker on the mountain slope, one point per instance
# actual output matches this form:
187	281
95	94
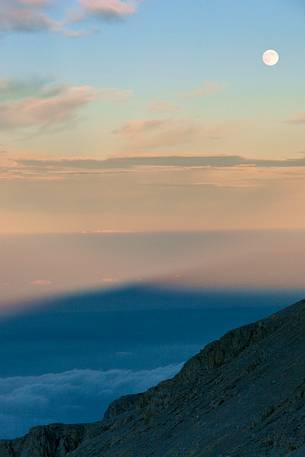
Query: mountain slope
241	396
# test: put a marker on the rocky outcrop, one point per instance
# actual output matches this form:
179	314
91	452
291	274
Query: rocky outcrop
241	396
49	441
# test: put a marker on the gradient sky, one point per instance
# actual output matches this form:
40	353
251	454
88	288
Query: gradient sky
87	86
142	141
42	265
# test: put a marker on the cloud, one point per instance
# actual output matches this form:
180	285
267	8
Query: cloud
33	2
114	94
163	107
120	163
14	89
157	134
136	127
219	171
30	16
107	9
69	397
25	16
110	280
206	89
213	165
37	103
100	11
53	109
41	282
299	119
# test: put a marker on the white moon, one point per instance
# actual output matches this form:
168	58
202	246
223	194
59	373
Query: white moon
271	57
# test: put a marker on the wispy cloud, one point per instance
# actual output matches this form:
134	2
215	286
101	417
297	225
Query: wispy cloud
114	94
298	119
26	16
50	110
41	282
148	134
206	89
11	89
107	9
162	106
140	126
35	103
30	16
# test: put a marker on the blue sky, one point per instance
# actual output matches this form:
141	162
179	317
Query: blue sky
198	40
102	79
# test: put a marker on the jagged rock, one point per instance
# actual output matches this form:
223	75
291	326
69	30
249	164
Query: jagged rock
241	396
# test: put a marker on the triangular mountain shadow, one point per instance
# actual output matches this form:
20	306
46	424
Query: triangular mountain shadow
241	396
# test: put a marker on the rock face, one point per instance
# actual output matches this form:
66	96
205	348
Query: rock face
241	396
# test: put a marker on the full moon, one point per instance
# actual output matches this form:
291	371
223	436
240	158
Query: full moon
271	57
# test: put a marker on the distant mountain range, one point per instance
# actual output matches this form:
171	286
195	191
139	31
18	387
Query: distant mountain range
241	396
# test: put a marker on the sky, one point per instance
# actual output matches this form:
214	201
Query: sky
124	119
35	266
141	142
98	99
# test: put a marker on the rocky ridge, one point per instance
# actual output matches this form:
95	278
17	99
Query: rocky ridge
241	396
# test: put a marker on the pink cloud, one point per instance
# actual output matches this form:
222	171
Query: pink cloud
25	16
299	119
110	280
32	15
206	89
140	126
51	104
162	106
114	94
41	282
109	9
33	2
56	108
163	133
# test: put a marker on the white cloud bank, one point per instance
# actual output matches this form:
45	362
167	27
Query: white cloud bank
69	397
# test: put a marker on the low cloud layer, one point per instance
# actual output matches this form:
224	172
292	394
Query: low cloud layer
69	397
160	171
183	162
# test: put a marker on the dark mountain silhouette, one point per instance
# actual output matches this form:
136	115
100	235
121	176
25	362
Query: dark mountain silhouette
85	330
241	396
156	296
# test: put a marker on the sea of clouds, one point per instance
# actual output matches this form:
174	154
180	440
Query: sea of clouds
69	397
